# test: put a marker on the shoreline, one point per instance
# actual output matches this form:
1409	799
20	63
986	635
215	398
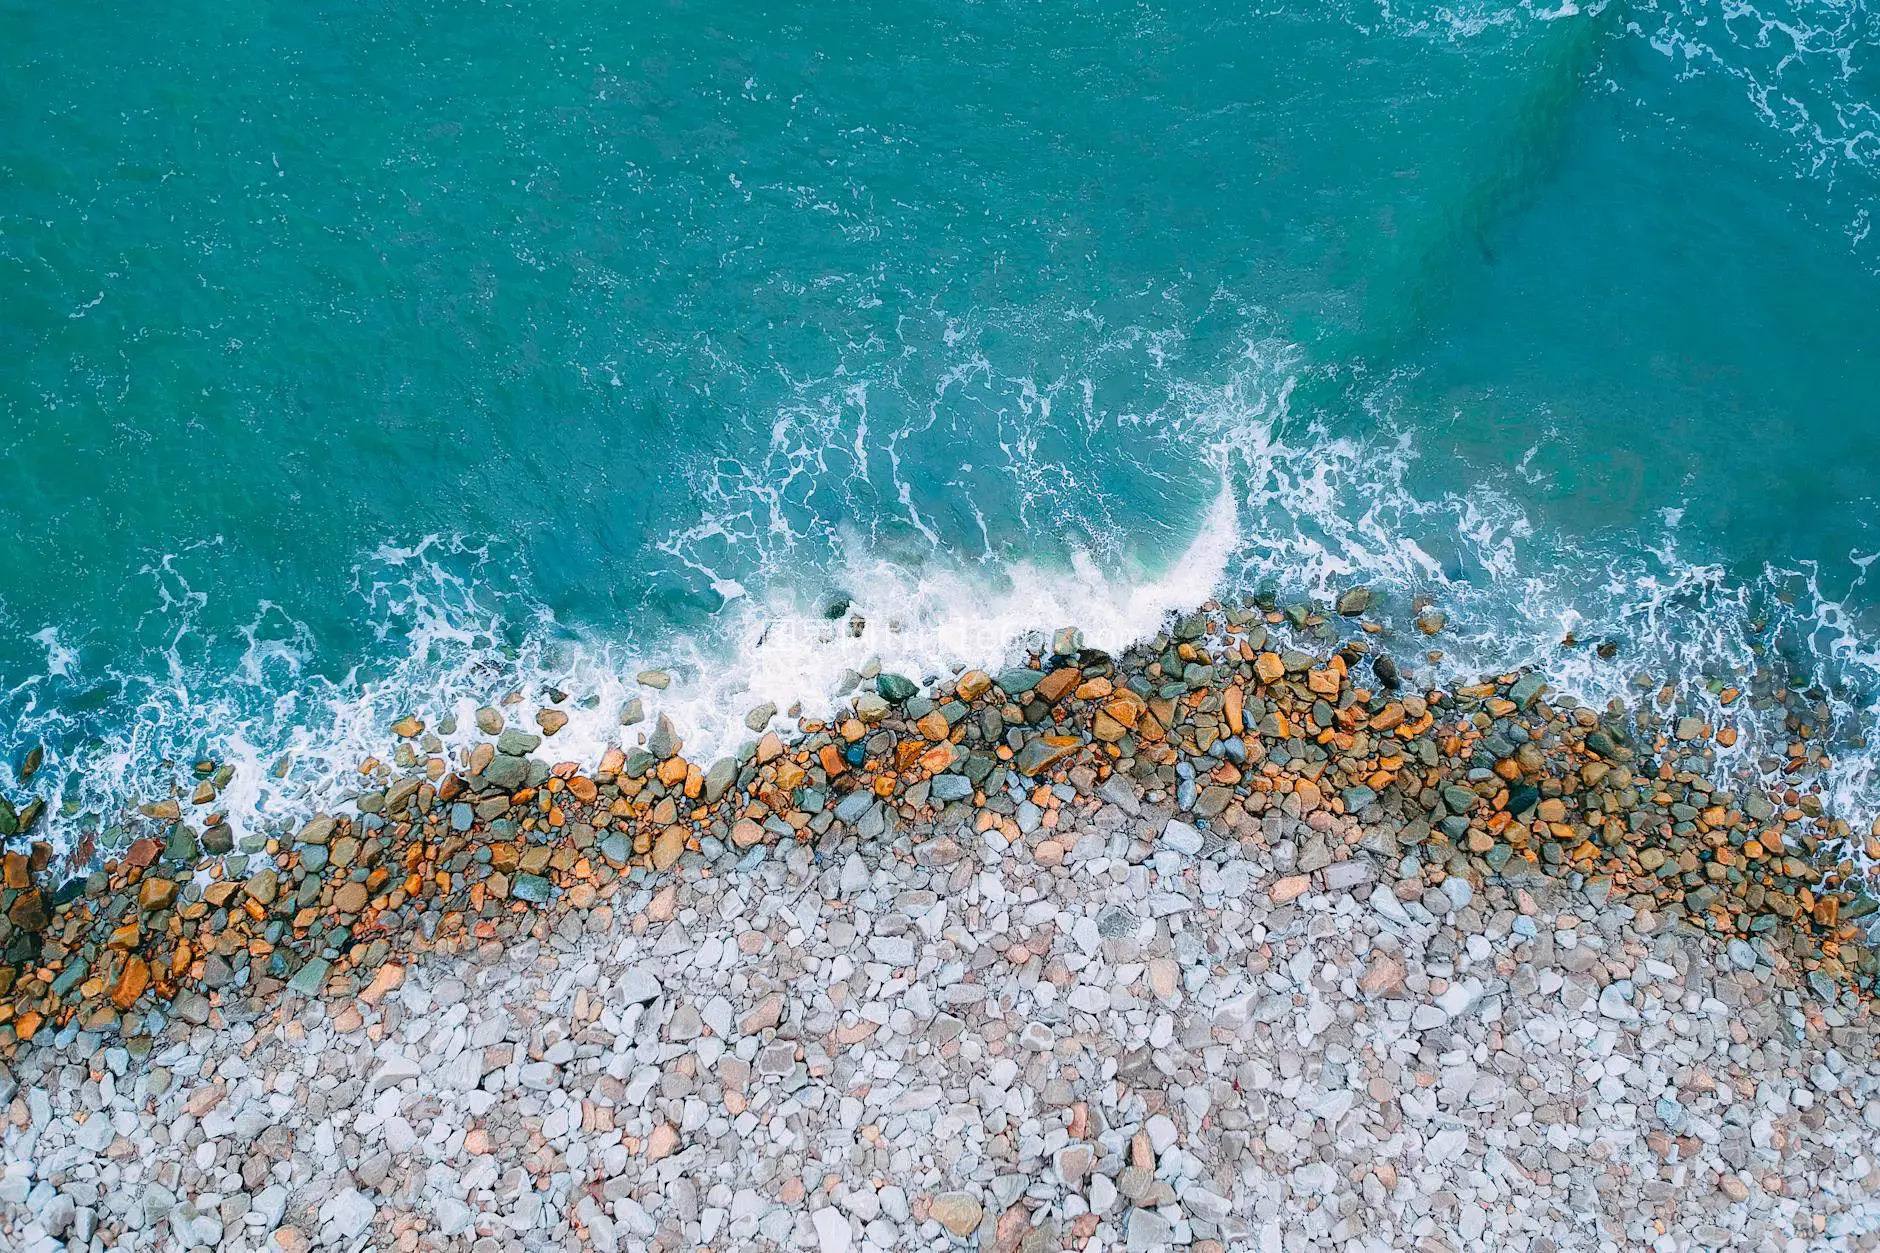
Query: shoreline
1488	783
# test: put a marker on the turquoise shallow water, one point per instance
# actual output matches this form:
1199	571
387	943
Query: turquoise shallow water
355	360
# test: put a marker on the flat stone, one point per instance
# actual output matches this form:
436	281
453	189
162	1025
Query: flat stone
1181	837
958	1212
310	978
532	888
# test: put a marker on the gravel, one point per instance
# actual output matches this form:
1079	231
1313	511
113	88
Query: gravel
931	1039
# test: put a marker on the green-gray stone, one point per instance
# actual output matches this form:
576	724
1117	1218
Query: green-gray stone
508	773
72	976
664	741
1526	689
896	687
1020	679
516	743
719	778
532	888
310	978
1354	602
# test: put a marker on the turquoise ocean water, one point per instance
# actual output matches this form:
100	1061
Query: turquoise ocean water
364	359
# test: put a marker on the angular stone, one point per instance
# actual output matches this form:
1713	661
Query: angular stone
719	778
958	1212
1181	837
895	688
156	893
532	888
1020	679
310	978
663	743
130	983
1046	751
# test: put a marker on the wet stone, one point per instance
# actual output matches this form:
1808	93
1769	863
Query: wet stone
532	888
182	846
895	688
311	977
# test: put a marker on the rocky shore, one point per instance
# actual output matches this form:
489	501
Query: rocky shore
1223	939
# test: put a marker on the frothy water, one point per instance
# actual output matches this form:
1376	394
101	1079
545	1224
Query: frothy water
1298	512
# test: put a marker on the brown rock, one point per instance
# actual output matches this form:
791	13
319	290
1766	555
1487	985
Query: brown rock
768	1013
1269	667
131	983
974	684
745	833
1054	685
1126	708
1290	888
958	1212
1013	1224
389	979
668	848
291	1240
1233	703
662	1142
29	912
551	720
156	893
1384	975
350	899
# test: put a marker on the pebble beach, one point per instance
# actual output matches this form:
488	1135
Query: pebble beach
1239	939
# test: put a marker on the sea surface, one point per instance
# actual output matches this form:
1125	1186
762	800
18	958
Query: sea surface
358	360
